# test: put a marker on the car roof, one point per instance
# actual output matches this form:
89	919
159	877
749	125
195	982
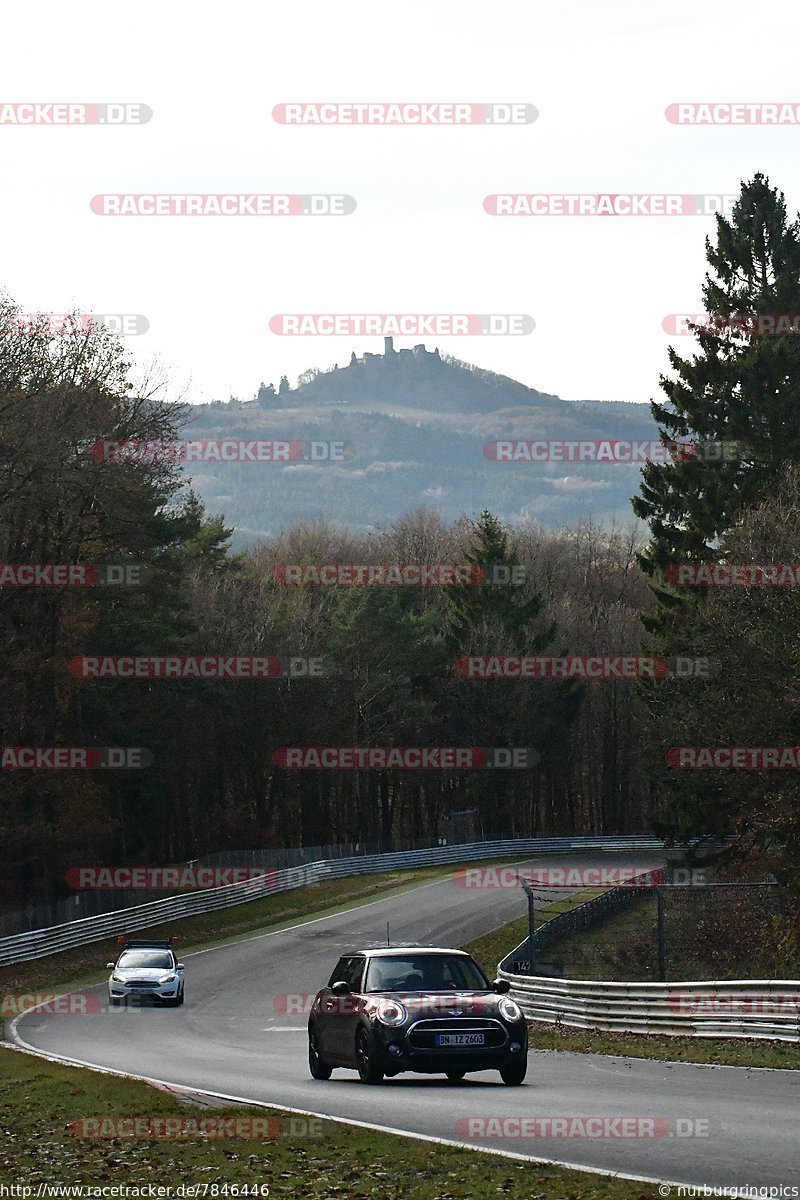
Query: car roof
392	951
144	947
147	944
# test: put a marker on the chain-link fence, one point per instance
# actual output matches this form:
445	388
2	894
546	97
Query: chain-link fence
672	931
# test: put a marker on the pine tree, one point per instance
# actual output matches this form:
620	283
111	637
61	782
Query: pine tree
742	387
205	539
478	610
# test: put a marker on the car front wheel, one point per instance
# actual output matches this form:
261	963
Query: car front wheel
369	1069
514	1072
317	1066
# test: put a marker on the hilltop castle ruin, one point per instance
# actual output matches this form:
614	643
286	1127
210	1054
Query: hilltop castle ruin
389	353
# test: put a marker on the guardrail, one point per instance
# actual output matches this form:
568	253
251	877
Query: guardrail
93	902
754	1008
39	943
748	1008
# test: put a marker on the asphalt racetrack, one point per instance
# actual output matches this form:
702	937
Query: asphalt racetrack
241	1033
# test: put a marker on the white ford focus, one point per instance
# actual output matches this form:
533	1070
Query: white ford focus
146	968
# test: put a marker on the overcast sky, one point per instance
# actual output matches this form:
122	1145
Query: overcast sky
600	73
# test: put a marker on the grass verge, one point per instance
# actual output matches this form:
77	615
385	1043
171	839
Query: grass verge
734	1052
39	1100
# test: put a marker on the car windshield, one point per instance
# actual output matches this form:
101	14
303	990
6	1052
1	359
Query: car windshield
146	959
424	973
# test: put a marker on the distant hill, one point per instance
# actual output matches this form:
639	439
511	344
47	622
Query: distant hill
415	423
416	377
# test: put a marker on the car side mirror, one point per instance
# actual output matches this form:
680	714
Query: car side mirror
501	986
180	967
110	966
340	988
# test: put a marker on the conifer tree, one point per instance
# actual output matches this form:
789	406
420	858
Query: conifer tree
477	610
738	396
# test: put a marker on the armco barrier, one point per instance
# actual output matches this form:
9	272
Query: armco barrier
39	943
752	1008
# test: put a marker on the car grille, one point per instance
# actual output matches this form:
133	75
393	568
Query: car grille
141	983
422	1035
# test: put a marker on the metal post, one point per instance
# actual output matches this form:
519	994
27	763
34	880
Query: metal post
531	928
529	892
662	963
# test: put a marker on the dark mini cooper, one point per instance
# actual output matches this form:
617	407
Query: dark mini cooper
415	1009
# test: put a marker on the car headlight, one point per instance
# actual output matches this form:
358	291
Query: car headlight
391	1012
509	1009
117	978
167	979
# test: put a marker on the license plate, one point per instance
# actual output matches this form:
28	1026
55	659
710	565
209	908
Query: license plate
459	1039
140	991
